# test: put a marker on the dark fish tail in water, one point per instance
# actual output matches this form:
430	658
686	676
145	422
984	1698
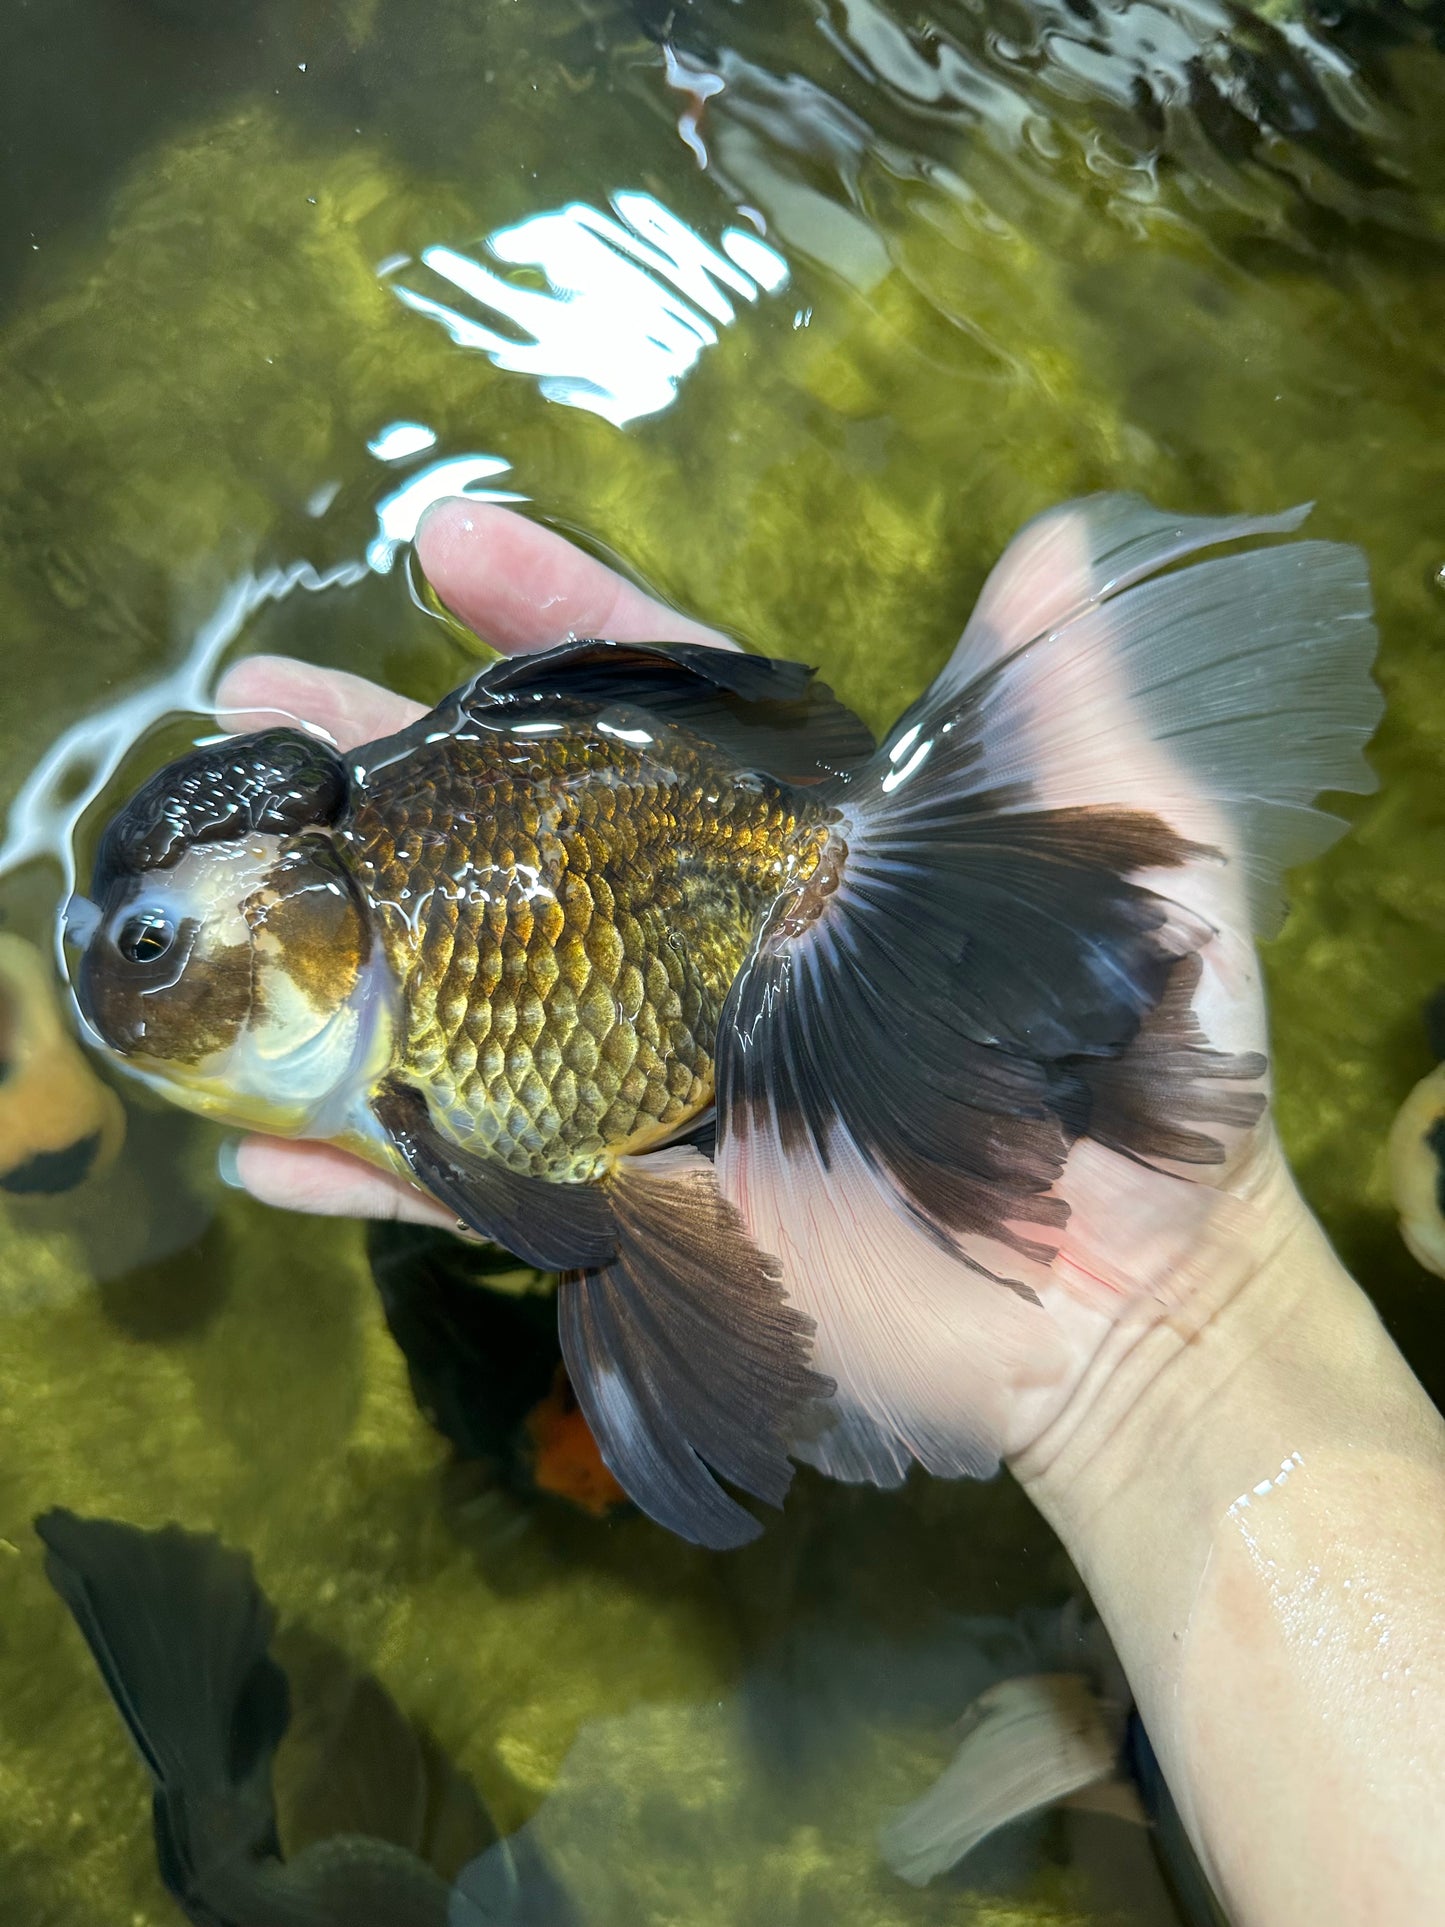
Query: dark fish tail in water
181	1634
1193	1894
825	1071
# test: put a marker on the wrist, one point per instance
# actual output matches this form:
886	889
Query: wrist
1275	1349
1251	1489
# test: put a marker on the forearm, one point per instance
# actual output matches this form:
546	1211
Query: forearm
1256	1499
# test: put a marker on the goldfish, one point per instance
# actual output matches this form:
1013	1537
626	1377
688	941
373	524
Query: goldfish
59	1124
378	1828
480	1342
823	1071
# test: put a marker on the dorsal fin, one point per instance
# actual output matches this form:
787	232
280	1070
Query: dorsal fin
770	716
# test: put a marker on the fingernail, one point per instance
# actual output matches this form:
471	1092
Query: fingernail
228	1164
451	503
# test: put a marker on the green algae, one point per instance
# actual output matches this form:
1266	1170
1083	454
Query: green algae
834	481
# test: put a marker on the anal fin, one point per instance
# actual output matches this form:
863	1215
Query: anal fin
684	1353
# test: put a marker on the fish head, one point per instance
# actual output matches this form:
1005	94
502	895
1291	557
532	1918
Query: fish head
226	953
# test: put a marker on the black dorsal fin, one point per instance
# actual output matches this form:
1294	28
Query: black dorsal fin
770	716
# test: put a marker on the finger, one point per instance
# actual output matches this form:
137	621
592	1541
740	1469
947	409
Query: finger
521	586
264	692
321	1179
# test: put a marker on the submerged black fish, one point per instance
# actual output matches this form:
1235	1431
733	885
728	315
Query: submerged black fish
954	1006
182	1635
485	1364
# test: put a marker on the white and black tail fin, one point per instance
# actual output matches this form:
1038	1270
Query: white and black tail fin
1018	1003
1247	676
181	1633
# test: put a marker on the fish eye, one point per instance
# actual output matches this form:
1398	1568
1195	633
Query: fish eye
145	937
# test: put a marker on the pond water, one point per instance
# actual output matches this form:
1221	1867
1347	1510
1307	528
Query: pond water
796	311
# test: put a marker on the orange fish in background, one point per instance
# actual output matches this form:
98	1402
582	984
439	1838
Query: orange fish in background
58	1122
567	1459
479	1335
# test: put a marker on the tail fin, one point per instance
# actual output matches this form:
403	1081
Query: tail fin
1028	1743
180	1631
1019	1002
1224	696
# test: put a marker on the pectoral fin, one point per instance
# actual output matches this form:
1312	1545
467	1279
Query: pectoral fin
555	1226
682	1349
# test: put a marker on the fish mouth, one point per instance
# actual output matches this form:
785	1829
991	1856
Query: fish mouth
80	919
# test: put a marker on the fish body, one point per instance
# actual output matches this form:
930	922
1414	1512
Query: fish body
564	909
824	1071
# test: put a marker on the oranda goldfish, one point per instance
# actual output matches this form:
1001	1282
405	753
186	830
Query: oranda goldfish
822	1070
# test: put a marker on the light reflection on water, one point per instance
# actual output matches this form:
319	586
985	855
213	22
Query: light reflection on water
82	762
399	514
633	301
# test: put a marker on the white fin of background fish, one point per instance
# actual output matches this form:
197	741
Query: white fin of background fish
813	1743
1222	697
1029	1743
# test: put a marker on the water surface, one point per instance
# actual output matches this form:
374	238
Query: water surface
797	311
